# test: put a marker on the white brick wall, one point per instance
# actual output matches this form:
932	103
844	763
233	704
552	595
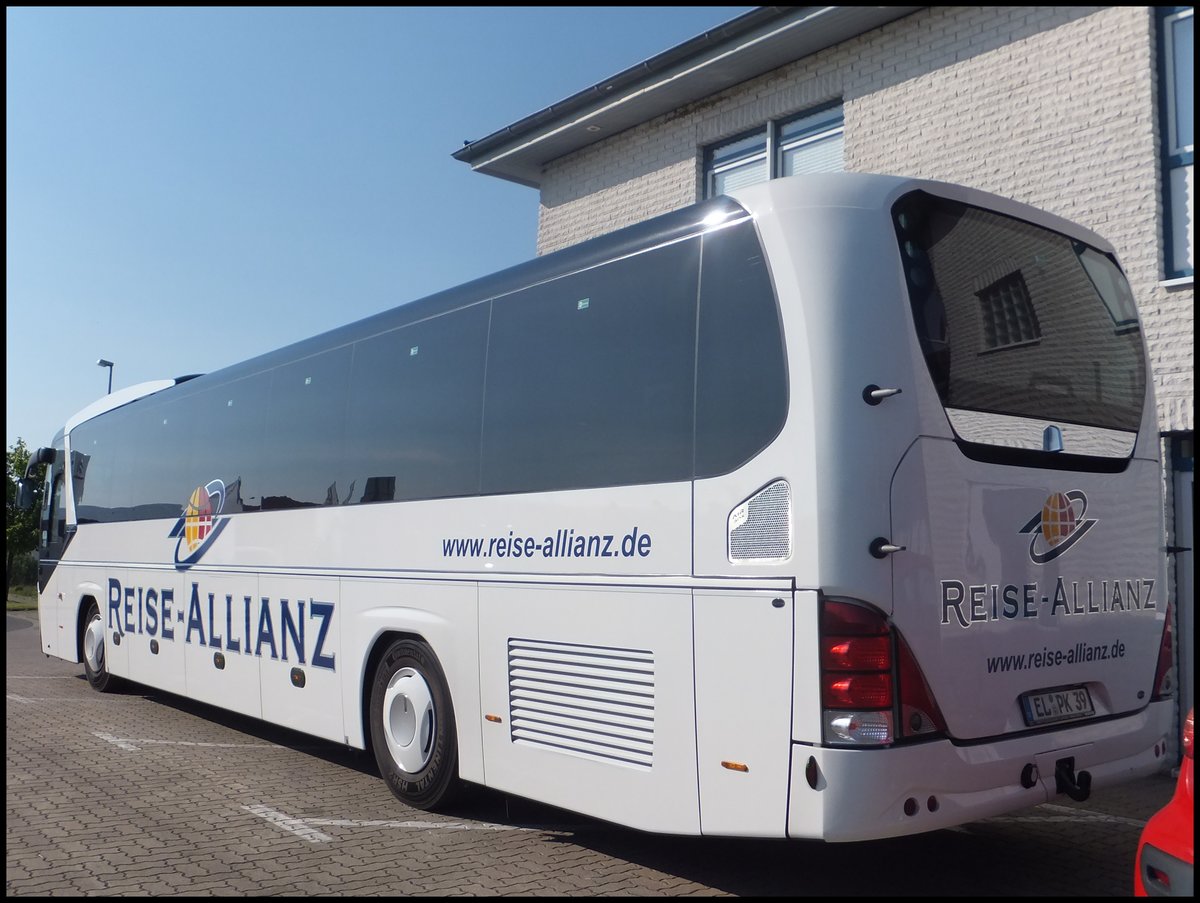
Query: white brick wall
1053	106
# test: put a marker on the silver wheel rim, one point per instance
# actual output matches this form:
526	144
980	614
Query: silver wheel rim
93	644
409	720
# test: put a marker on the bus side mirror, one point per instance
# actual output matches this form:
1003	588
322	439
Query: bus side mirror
25	487
37	459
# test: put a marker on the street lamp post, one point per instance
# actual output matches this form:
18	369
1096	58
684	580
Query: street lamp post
109	364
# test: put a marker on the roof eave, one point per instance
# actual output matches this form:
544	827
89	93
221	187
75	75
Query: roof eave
744	48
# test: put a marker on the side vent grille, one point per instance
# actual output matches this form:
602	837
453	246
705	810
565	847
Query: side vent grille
591	701
760	529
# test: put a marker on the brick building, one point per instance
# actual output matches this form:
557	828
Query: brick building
1083	111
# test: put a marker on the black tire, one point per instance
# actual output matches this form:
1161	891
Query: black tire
94	644
412	726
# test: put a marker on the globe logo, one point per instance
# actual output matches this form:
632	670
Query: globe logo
197	518
200	523
1058	527
1058	518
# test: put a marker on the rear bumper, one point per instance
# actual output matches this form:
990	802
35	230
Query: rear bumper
866	794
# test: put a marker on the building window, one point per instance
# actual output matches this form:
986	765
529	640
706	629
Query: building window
1177	97
812	142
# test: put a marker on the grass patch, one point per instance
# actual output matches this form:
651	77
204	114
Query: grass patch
22	598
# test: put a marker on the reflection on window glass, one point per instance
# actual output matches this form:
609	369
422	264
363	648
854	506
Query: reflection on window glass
590	377
741	376
159	459
104	492
1008	314
229	443
414	410
1080	370
305	421
1110	285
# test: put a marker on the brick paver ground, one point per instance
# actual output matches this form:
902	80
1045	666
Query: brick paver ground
143	793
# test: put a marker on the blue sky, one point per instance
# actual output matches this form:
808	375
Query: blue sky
187	188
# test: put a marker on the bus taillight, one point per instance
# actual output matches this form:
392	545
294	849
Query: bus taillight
919	712
856	675
872	690
1163	686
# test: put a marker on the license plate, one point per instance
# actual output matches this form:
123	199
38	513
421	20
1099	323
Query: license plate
1053	706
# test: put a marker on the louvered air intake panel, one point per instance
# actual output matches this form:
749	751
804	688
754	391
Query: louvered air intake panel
590	701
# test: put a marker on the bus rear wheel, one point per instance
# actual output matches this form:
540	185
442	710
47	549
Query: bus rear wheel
95	661
412	726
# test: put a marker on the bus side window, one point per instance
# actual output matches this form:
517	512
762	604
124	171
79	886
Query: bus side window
590	377
741	376
415	407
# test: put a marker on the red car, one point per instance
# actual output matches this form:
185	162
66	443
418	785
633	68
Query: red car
1164	856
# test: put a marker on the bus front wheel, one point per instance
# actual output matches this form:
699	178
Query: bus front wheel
412	726
95	661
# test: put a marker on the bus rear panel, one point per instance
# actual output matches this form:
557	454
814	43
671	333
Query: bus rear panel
988	617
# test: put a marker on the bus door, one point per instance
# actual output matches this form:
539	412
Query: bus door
52	539
53	534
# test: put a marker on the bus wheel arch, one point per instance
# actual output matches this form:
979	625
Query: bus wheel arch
92	646
410	721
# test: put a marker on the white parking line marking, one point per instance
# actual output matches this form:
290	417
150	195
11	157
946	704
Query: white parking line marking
124	744
303	827
291	825
418	825
1096	816
129	743
13	697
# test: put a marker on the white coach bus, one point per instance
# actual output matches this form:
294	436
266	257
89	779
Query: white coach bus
827	509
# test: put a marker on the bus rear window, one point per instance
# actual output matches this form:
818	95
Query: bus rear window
1018	321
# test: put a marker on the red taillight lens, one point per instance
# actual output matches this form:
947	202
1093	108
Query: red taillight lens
858	691
860	653
855	638
852	620
919	712
1162	674
1189	729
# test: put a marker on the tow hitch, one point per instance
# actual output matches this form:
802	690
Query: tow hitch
1077	786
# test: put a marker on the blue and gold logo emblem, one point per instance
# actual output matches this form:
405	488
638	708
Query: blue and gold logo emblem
1058	526
200	524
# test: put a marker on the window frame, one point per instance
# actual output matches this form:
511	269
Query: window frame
772	147
818	132
1173	158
